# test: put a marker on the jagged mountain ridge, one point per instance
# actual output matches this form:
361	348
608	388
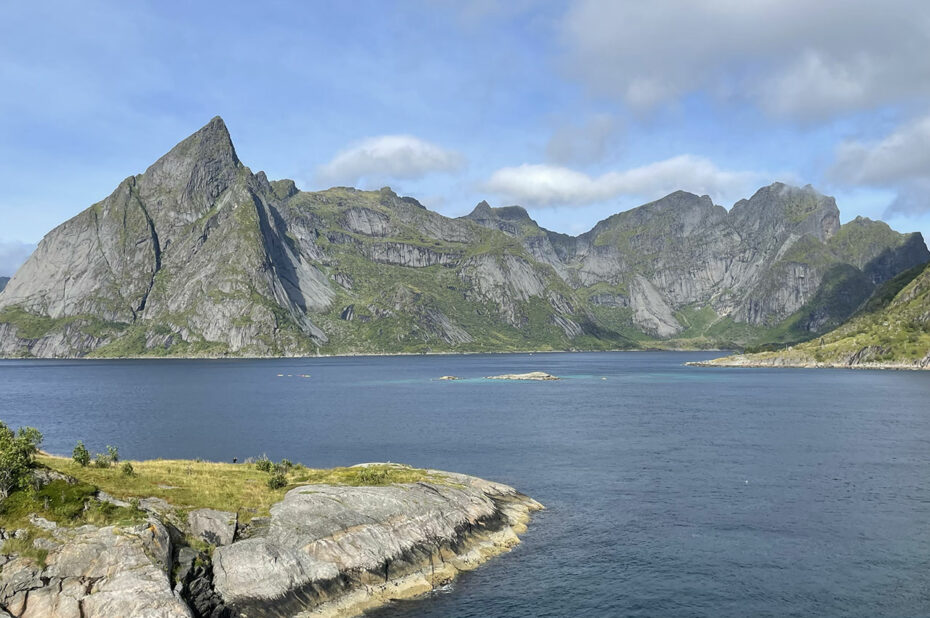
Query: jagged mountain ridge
762	263
198	255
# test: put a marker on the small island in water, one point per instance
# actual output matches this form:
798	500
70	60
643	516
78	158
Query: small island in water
179	538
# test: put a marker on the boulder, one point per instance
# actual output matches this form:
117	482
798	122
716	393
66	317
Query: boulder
214	527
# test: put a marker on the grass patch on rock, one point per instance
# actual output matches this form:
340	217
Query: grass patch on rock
243	487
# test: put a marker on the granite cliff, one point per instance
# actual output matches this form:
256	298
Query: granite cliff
891	331
199	256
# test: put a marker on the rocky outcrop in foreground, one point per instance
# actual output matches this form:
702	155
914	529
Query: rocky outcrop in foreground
94	572
326	551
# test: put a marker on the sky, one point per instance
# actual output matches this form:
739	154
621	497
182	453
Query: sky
574	109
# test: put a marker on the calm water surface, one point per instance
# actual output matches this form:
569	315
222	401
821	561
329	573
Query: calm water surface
671	490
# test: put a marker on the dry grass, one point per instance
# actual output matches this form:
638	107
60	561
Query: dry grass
189	484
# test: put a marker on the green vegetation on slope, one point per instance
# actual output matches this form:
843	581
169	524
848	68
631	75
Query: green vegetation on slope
892	328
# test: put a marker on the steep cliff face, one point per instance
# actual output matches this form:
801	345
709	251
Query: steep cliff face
777	265
198	255
892	330
189	256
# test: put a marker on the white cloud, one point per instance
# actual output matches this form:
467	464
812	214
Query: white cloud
389	157
791	57
902	155
12	255
582	143
900	161
552	185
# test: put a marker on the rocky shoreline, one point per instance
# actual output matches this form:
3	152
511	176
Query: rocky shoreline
786	363
325	550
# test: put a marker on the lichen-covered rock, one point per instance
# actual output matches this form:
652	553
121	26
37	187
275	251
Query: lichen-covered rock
214	527
96	573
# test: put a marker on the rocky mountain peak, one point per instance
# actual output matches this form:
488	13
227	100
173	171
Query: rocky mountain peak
188	181
779	207
482	211
211	143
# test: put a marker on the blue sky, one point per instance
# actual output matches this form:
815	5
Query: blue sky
575	109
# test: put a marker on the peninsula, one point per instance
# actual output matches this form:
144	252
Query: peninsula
190	538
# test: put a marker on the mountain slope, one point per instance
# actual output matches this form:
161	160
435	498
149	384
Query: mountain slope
776	267
199	256
891	330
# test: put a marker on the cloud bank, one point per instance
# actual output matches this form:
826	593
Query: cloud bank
900	161
389	156
543	185
790	57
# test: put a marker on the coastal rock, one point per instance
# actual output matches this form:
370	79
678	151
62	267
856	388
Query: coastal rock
533	375
356	547
96	573
214	527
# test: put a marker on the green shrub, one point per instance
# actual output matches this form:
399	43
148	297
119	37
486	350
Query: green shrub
277	481
80	454
263	464
101	461
112	453
127	469
373	476
17	456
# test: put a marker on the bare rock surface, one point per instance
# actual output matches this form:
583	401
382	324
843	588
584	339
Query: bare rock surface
338	550
214	527
532	375
324	551
95	573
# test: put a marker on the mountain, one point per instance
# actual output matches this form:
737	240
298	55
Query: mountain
3	282
199	256
891	330
778	266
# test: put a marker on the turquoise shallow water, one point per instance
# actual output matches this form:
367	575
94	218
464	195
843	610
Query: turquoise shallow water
671	490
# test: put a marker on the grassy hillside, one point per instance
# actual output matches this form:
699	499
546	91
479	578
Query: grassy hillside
891	329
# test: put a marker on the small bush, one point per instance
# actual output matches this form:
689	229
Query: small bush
80	454
277	481
112	453
127	469
101	461
286	464
17	456
263	464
